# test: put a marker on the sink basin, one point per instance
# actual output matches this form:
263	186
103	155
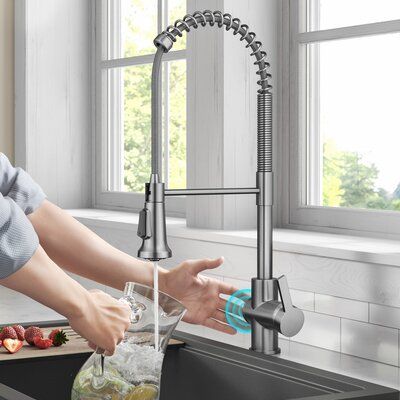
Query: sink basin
201	369
204	369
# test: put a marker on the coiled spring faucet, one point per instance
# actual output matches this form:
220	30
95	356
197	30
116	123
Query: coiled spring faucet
264	312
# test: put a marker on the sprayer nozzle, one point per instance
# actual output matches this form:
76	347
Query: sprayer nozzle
152	225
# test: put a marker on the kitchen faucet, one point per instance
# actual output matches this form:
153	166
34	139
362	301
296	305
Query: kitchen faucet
266	315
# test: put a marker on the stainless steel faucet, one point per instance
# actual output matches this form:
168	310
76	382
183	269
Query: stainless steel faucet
264	312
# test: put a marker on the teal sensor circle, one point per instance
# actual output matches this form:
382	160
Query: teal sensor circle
234	310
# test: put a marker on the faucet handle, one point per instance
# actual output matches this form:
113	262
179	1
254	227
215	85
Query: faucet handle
284	292
292	319
144	225
282	315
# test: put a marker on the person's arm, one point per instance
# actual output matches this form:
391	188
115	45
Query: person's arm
95	315
19	195
79	250
26	268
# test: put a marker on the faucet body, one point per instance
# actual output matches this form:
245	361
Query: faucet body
264	312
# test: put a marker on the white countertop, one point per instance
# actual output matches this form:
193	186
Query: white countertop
15	307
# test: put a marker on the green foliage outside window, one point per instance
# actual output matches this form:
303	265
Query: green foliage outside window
137	111
348	181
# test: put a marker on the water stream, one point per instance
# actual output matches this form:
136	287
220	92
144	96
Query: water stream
156	321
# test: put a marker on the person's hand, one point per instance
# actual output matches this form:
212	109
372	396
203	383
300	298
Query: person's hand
199	294
103	321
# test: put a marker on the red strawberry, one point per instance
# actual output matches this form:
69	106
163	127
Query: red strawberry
12	345
8	332
42	343
31	333
58	337
20	331
1	343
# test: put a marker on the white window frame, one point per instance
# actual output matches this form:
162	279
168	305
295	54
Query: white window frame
295	213
106	148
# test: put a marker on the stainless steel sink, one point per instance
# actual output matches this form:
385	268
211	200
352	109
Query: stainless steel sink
200	369
204	369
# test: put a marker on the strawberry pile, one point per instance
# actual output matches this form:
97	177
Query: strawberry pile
12	338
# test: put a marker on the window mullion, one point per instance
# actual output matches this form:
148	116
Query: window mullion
115	114
348	32
314	142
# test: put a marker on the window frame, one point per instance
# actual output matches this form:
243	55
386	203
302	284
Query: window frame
295	186
104	148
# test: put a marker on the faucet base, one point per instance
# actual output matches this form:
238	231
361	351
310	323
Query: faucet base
268	352
263	340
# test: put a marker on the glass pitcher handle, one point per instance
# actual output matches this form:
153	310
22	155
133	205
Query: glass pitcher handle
98	379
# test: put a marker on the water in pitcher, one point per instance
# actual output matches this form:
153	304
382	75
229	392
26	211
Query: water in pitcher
134	371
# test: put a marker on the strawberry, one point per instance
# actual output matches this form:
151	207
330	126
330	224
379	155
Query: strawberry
20	331
31	333
12	345
8	332
41	343
1	343
58	337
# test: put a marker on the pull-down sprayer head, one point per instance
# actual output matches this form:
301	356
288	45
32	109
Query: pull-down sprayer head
152	225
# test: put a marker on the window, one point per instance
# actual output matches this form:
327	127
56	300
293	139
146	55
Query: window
125	30
344	119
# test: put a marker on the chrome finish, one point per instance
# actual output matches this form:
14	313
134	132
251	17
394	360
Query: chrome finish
152	224
273	315
220	20
264	225
262	340
210	192
264	312
264	132
264	242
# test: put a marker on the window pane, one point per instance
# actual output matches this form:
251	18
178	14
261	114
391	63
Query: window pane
129	122
328	14
132	27
129	127
177	124
354	122
177	10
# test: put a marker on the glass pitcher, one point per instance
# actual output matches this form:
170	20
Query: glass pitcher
134	371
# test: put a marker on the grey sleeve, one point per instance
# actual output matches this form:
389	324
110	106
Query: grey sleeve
19	196
16	184
18	239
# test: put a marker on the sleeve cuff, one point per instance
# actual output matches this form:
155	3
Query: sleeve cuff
18	239
26	193
16	184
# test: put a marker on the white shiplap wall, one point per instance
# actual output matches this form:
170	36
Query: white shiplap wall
351	307
7	78
222	104
53	115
